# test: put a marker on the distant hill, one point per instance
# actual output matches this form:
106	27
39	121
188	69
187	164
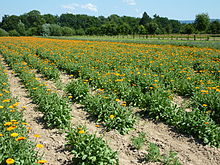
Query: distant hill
191	21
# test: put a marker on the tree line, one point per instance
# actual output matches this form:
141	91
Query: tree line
34	23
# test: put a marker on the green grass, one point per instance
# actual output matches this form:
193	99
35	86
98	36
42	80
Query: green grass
130	39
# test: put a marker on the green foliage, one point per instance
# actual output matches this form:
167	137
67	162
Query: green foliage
22	152
153	154
3	32
13	33
202	22
171	159
88	149
138	141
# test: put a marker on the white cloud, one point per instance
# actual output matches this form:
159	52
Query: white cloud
70	6
90	7
75	6
130	2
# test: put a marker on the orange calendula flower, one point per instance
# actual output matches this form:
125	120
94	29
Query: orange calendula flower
81	132
1	94
40	146
11	128
1	107
10	161
206	123
14	134
41	161
21	138
6	100
1	135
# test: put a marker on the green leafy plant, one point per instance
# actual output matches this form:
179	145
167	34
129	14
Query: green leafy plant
138	141
89	149
153	154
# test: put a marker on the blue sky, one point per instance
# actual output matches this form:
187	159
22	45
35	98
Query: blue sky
173	9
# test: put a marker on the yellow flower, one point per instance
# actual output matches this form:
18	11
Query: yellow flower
14	134
117	99
1	107
8	123
10	161
1	134
40	146
204	91
41	161
21	138
81	132
70	97
111	116
1	94
37	135
16	104
11	106
204	105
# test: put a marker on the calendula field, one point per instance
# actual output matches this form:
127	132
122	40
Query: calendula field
96	102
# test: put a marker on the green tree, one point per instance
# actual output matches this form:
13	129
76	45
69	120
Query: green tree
214	27
9	22
13	33
21	29
50	19
145	19
187	29
46	29
67	31
3	32
202	22
55	30
152	27
142	29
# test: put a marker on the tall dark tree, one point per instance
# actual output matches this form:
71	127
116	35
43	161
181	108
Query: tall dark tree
10	22
214	27
202	22
145	19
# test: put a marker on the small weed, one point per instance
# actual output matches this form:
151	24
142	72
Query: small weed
138	141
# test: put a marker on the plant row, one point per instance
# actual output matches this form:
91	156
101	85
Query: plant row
16	148
105	107
101	154
55	109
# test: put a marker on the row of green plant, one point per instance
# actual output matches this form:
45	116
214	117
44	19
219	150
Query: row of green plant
16	148
144	78
137	89
153	151
88	149
42	66
158	104
55	109
96	150
105	107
